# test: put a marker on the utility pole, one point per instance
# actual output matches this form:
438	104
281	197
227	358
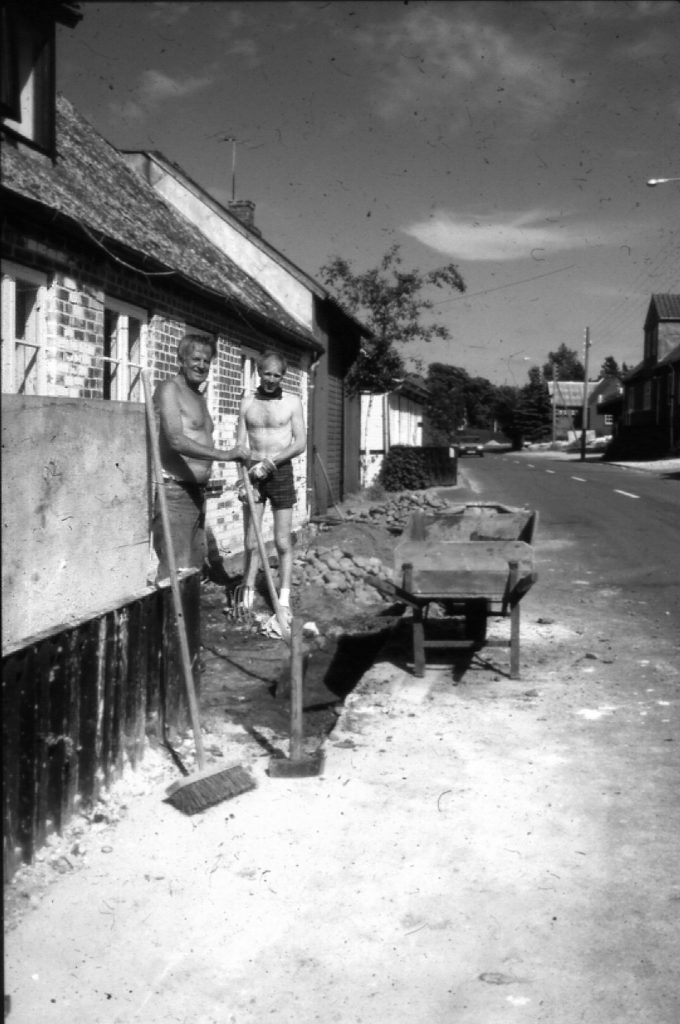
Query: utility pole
584	414
554	401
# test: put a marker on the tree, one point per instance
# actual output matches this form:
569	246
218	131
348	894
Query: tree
567	365
445	405
534	413
391	303
610	368
507	413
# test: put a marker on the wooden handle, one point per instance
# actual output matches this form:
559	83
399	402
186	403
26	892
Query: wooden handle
296	698
172	566
248	487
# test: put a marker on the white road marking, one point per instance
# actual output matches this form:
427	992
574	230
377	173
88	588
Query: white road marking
626	494
580	479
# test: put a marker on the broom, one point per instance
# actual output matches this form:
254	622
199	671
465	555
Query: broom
209	785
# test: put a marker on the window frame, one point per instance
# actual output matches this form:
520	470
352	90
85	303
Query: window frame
124	312
11	274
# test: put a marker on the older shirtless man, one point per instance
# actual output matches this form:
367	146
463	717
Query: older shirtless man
187	454
271	424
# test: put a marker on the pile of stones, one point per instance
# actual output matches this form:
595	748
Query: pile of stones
341	570
394	512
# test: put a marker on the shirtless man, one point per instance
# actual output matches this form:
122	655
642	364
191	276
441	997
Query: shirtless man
271	424
187	454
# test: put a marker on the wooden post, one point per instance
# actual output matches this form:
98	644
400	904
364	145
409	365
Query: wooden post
514	620
584	414
296	694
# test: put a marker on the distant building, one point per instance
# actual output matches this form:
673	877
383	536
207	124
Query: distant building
649	426
566	396
388	419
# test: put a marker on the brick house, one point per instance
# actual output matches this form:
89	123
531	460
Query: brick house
649	424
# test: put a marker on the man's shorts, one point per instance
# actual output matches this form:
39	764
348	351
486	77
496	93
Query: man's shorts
279	488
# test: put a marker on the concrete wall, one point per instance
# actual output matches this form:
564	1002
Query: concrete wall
75	531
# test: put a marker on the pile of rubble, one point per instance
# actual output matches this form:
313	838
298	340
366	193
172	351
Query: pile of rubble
394	512
337	568
342	571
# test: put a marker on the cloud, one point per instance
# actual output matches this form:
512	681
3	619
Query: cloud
534	234
155	88
459	59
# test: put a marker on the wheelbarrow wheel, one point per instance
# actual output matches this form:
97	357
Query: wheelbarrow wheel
476	613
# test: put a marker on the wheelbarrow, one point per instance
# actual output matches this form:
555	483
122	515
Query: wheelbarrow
473	561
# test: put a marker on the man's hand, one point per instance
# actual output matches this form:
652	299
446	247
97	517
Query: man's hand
261	470
237	454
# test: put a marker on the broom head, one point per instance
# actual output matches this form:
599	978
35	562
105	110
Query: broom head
210	786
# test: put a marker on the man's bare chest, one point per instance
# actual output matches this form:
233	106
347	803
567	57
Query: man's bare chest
267	414
194	413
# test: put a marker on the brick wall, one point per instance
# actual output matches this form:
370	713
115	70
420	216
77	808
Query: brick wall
80	283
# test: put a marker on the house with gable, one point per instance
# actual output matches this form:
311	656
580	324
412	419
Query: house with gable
101	277
566	398
649	425
333	412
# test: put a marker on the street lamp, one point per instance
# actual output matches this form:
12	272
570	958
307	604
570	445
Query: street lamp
660	181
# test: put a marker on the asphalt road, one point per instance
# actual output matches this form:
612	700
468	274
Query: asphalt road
619	527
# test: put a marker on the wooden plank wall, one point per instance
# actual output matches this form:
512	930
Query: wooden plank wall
76	707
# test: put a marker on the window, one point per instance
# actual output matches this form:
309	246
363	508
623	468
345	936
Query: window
608	419
124	352
27	80
250	378
647	397
24	294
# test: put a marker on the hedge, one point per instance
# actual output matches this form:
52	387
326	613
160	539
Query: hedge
406	468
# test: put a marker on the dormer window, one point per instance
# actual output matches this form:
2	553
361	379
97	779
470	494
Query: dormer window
27	68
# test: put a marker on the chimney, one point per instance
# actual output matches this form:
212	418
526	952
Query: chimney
244	210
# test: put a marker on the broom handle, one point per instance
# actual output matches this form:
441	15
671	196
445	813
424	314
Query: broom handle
174	584
248	487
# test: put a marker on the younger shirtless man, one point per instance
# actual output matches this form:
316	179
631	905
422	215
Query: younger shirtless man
187	454
271	424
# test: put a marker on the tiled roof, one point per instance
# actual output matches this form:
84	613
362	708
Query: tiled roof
570	392
667	306
91	183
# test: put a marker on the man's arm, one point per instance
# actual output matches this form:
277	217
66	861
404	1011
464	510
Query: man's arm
172	430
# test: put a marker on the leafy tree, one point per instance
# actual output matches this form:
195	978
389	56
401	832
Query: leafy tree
445	404
567	364
610	368
480	397
508	414
391	303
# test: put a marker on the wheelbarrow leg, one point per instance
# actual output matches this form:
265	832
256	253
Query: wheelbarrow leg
514	621
418	641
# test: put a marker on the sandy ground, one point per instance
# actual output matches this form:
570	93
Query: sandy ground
476	850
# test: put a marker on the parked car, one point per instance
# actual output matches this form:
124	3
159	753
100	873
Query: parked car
470	446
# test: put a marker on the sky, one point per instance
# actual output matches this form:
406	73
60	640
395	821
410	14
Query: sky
513	139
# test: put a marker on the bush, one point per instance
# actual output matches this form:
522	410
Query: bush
413	469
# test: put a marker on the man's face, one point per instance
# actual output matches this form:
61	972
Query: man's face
196	364
271	375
